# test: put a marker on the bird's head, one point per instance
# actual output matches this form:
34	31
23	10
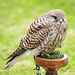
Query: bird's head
57	16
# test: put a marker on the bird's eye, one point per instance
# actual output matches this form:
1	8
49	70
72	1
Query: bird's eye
55	17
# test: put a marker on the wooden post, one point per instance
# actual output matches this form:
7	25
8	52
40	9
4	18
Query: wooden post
52	65
51	71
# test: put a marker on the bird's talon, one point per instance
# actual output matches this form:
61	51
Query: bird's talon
47	55
42	54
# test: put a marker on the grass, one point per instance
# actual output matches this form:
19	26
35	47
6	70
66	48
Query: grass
15	19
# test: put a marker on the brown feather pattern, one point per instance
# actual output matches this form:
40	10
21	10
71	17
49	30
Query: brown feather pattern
45	34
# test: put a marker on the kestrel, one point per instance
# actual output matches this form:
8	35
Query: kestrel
45	34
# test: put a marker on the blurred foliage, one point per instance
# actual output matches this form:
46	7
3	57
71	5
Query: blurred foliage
15	19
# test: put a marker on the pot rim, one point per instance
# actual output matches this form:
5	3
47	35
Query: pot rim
52	63
65	56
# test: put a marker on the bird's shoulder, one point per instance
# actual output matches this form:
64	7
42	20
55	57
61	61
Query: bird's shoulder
36	34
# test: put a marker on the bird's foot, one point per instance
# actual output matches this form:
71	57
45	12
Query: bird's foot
45	54
42	53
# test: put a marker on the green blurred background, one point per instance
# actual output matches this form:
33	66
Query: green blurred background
15	19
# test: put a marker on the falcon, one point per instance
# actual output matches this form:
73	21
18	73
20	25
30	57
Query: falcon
45	34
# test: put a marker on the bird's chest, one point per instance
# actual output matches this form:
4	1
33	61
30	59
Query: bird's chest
54	41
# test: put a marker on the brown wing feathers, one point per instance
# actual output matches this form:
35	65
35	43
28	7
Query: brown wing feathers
14	60
14	57
35	35
17	52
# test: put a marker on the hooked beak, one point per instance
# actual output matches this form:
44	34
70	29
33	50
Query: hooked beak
60	20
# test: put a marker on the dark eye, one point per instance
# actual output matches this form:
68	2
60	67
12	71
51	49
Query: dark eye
55	17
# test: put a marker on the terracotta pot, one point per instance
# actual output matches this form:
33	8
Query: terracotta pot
52	65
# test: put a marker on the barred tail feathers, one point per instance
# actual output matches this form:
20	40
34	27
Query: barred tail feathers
12	63
17	58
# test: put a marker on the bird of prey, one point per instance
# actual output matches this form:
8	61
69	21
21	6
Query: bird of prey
45	34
